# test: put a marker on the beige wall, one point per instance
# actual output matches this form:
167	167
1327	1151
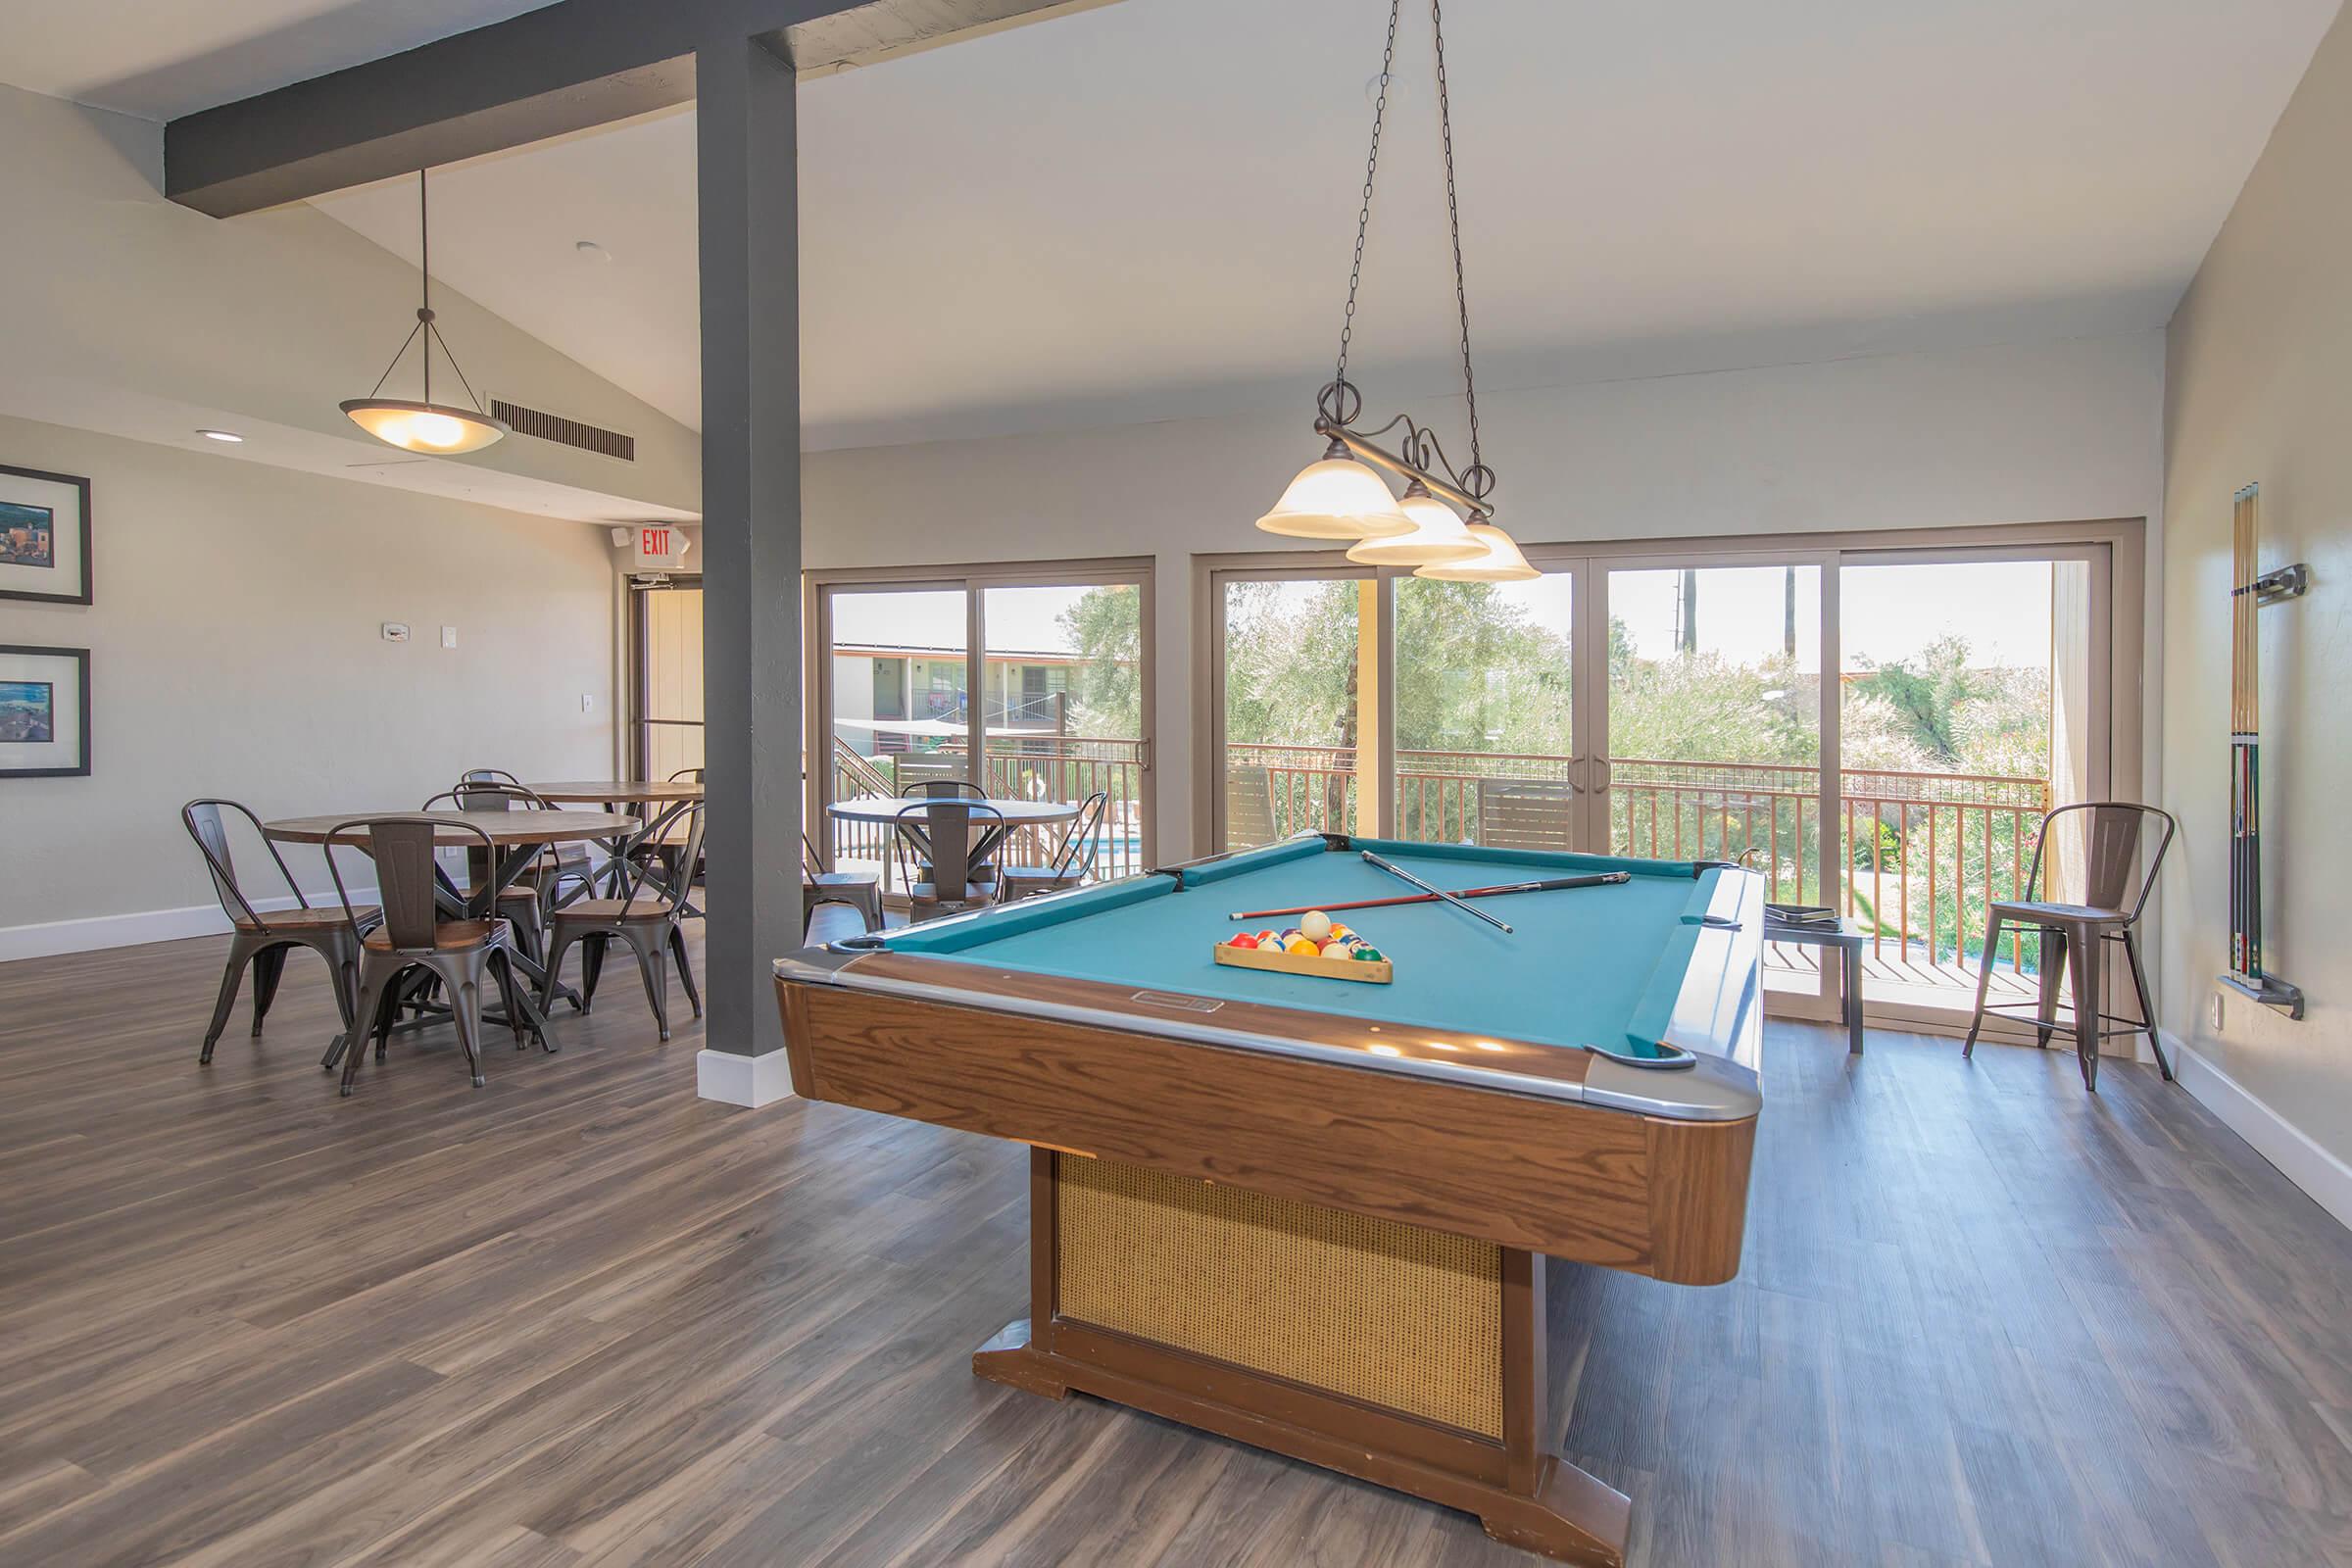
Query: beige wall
2056	431
235	651
2259	387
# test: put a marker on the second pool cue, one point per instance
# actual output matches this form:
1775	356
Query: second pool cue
1403	875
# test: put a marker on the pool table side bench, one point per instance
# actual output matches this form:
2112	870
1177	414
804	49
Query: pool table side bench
1247	1220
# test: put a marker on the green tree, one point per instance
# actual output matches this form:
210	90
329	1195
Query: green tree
1105	625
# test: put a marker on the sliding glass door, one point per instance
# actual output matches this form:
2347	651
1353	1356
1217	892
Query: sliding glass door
1877	731
1029	681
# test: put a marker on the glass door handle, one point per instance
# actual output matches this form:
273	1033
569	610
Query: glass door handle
1576	775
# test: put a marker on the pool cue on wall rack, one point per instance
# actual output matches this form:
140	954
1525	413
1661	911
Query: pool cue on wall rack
2251	588
1593	879
1403	875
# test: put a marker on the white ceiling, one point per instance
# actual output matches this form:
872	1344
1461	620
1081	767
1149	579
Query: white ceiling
1146	210
161	60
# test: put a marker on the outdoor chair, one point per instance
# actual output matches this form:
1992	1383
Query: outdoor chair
1249	808
860	890
2075	935
934	844
415	940
645	919
1074	860
1525	814
262	938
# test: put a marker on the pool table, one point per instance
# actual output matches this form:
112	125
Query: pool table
1314	1216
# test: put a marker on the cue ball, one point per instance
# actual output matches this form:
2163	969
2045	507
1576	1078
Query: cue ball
1315	925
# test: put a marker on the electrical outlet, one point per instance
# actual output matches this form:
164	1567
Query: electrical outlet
449	636
2216	1012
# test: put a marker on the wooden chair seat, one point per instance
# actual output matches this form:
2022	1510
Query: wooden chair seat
973	892
449	936
290	921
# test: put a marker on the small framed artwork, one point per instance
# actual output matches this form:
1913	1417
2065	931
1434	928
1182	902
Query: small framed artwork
44	712
44	536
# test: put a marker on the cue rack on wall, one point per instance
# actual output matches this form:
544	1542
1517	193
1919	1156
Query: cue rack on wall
2250	590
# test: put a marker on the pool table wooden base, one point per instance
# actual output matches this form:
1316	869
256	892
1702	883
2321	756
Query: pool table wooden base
1522	1495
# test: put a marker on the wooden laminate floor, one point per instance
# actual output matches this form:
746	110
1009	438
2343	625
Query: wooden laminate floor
580	1316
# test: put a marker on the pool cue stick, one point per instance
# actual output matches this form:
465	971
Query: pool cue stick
1403	875
2245	727
1548	885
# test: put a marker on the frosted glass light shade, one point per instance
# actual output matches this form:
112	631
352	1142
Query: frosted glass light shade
429	427
1438	536
1337	497
1498	561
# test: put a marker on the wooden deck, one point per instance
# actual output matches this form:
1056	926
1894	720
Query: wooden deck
580	1316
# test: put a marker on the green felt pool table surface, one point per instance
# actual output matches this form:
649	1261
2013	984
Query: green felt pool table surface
1598	967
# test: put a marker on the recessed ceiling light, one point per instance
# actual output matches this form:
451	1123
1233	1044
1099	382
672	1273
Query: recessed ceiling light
230	436
590	250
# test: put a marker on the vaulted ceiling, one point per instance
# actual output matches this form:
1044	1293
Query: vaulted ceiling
1146	211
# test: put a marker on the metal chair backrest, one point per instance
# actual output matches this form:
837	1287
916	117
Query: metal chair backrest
2113	833
811	863
946	827
406	876
1084	841
486	790
1526	813
687	775
945	789
636	873
491	775
202	818
1249	808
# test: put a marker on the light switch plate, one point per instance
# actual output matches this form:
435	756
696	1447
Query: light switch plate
587	703
449	636
395	631
2216	1012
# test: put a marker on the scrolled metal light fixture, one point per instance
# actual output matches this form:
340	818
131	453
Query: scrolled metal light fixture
1342	494
437	429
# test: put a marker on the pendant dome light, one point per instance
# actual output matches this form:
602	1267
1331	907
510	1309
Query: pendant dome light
439	429
1438	535
1340	495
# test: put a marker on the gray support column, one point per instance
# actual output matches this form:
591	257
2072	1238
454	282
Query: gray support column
747	188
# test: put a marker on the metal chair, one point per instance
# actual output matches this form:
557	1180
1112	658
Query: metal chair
650	849
934	844
528	899
860	890
413	938
2078	932
1249	808
557	863
645	920
262	936
1073	858
1526	813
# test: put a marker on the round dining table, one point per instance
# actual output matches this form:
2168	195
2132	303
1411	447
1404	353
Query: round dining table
987	833
671	796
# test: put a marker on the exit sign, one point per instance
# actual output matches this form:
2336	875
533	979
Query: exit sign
660	546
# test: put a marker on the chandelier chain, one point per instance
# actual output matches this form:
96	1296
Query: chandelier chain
1453	218
1363	217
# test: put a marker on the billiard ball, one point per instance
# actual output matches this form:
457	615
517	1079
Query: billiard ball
1369	956
1244	940
1315	925
1301	946
1336	950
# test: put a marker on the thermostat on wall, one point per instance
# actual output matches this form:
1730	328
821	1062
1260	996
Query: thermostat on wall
395	631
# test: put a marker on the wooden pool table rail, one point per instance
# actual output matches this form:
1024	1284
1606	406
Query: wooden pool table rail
1594	1185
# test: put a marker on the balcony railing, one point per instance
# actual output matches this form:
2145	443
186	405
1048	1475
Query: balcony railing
1924	852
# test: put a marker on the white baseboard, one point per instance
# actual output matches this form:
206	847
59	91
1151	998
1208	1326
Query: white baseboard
738	1080
2328	1179
54	937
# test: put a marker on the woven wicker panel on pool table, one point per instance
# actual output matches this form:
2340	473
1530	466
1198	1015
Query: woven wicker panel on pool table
1381	1312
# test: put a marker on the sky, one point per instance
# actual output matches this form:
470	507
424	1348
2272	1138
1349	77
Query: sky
1888	611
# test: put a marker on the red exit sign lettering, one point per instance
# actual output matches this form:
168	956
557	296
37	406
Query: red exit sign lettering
653	541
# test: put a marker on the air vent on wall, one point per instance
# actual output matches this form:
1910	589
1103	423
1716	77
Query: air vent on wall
565	432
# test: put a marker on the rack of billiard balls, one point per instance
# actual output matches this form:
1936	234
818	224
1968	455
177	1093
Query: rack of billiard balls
1317	945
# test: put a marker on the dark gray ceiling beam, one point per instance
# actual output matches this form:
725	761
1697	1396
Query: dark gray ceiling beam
546	73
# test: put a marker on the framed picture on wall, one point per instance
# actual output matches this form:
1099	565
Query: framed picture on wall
44	536
44	712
